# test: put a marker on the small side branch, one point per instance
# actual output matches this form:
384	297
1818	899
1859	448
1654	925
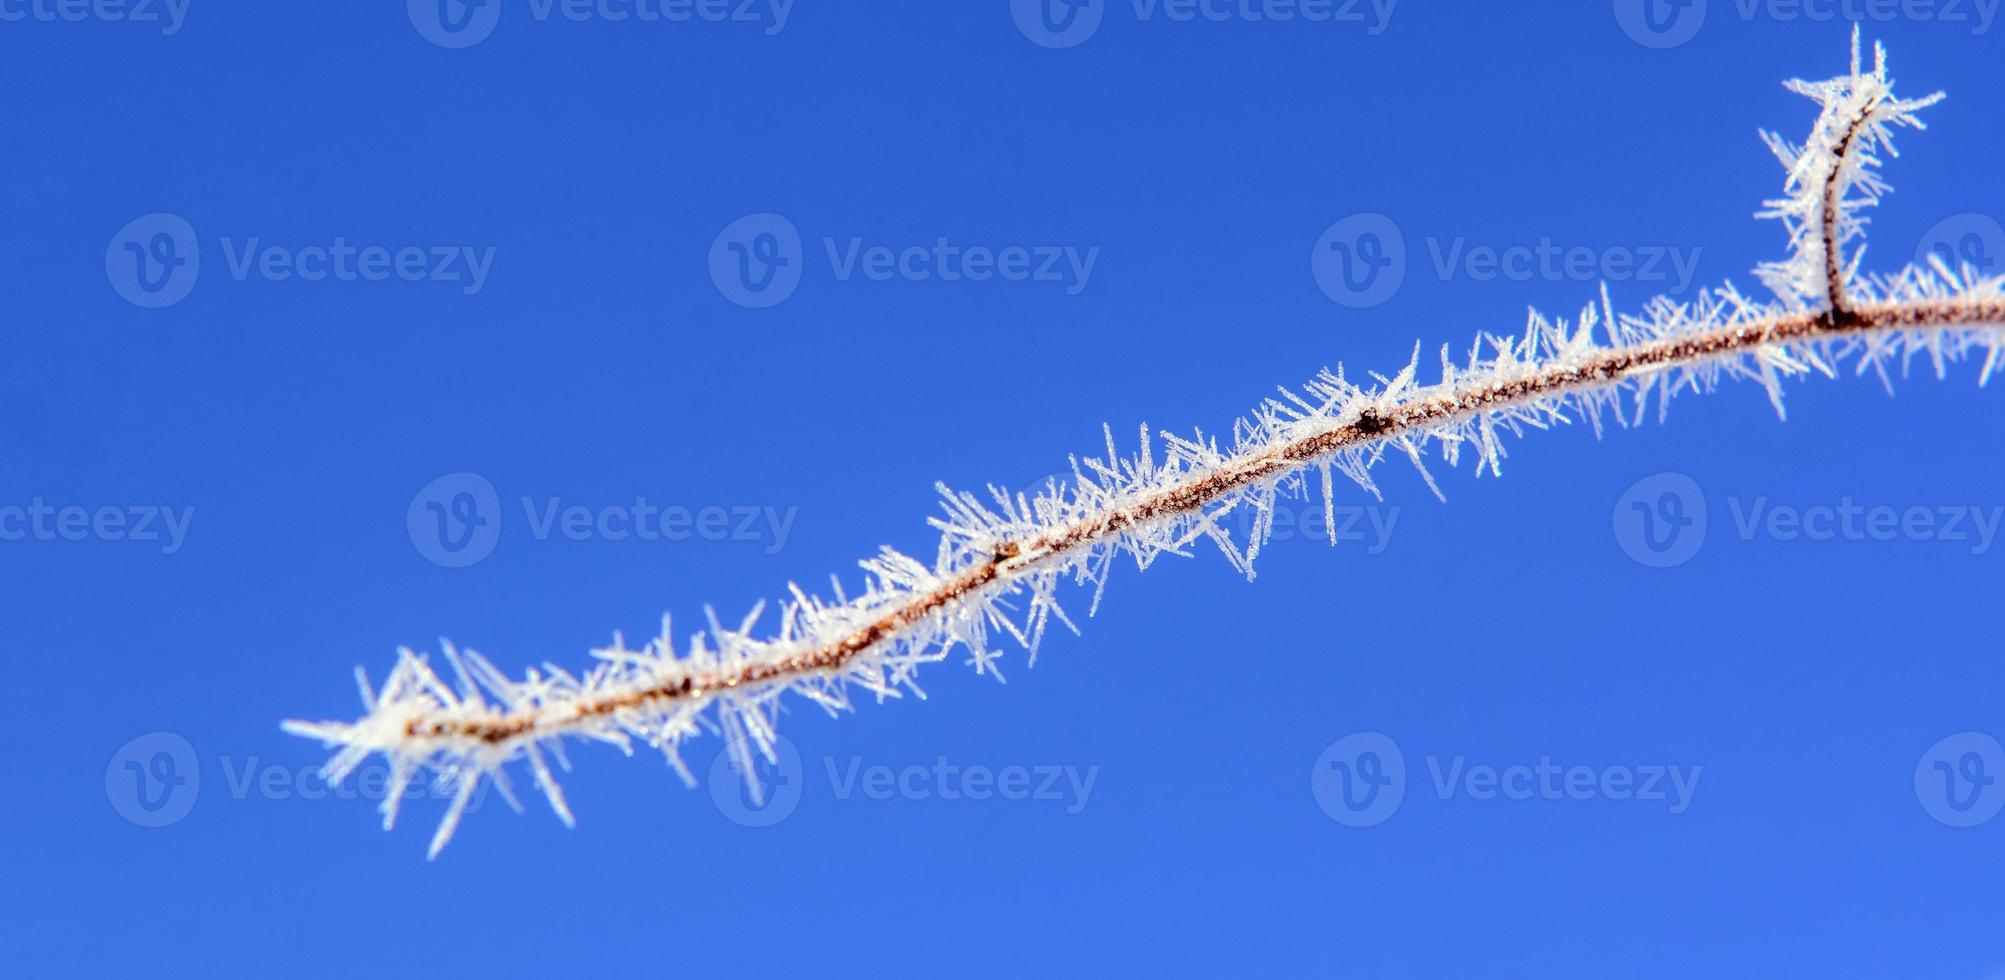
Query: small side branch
1834	197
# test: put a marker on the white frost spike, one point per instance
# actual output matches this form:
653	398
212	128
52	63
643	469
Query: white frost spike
1001	557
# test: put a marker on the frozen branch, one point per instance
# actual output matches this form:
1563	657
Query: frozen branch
1002	556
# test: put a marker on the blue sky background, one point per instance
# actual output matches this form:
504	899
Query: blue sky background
599	361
